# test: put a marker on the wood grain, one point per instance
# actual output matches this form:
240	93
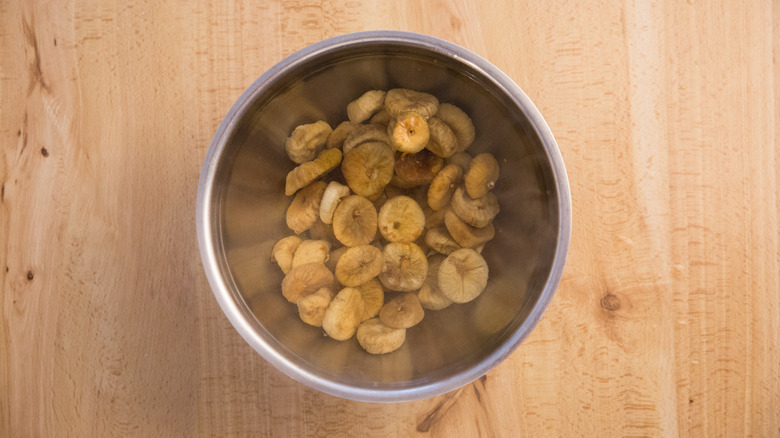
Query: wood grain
667	320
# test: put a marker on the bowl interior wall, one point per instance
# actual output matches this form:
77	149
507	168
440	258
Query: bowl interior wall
249	193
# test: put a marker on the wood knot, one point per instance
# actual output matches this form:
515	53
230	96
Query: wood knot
30	276
44	152
610	302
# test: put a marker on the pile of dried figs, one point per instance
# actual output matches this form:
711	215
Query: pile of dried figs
389	215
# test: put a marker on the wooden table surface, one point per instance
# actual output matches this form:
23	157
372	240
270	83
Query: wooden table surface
666	321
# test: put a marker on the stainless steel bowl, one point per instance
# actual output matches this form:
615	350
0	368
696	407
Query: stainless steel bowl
241	205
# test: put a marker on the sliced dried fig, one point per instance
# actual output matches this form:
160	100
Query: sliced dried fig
365	106
377	338
405	266
283	252
401	100
355	221
481	176
418	169
311	251
309	171
334	193
430	295
339	134
401	220
408	132
475	212
443	186
373	297
311	308
304	209
358	265
440	240
463	275
402	312
459	122
466	235
368	168
306	141
443	141
305	280
344	314
366	134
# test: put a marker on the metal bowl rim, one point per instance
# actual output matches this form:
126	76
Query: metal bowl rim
237	313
